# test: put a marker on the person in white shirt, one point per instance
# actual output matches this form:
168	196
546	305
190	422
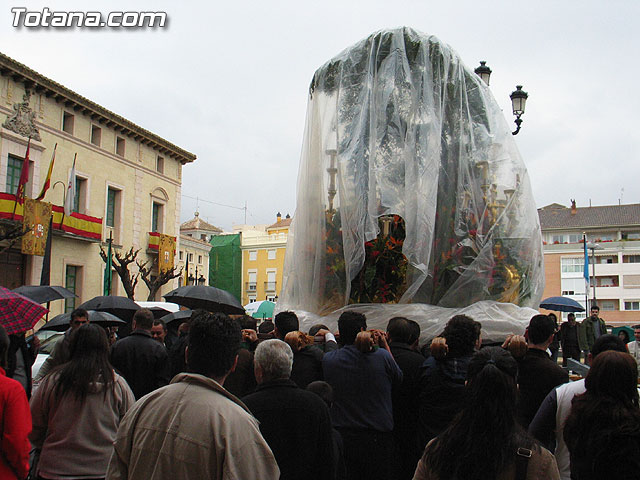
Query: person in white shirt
548	424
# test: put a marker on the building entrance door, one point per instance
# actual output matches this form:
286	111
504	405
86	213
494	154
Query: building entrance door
12	269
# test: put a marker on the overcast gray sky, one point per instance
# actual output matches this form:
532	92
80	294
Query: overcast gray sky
229	82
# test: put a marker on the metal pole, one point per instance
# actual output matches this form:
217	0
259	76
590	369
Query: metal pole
110	240
586	291
593	259
586	302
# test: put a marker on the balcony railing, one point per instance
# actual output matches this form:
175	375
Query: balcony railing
76	225
275	239
269	286
250	286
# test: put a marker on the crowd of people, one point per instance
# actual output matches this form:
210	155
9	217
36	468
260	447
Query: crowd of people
226	398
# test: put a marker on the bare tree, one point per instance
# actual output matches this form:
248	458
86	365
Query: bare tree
121	265
11	233
154	282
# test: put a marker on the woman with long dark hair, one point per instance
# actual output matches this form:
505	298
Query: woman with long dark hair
485	441
77	408
602	431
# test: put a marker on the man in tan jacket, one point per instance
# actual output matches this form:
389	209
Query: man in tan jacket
193	427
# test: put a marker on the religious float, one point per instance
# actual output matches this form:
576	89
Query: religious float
412	197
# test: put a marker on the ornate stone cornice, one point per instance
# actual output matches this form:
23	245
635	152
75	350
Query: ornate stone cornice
33	81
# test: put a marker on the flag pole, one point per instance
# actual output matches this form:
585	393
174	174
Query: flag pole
15	204
586	274
73	170
109	265
45	274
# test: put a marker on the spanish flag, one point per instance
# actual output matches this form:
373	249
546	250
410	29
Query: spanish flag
47	181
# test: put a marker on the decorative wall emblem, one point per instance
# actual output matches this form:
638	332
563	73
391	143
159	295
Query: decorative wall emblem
22	121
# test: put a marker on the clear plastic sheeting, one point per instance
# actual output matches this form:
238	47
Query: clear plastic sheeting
498	319
411	188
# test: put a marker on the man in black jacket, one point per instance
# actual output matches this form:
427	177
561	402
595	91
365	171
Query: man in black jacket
21	357
141	360
570	339
295	423
405	396
537	373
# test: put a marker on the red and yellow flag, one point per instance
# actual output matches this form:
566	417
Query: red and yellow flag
24	176
47	181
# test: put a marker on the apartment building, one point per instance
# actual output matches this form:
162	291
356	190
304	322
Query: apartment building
613	238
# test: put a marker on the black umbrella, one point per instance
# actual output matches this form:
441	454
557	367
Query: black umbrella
561	304
121	307
61	322
179	315
44	293
203	296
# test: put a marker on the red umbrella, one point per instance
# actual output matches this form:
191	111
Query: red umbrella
17	312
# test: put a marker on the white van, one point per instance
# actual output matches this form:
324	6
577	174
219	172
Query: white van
168	306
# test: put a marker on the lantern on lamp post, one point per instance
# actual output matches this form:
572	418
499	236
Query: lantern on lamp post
518	101
483	72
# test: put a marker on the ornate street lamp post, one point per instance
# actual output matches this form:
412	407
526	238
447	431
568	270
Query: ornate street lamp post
518	101
518	96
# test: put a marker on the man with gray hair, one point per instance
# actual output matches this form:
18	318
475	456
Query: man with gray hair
295	423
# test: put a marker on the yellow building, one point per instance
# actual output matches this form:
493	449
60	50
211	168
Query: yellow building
128	183
263	250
